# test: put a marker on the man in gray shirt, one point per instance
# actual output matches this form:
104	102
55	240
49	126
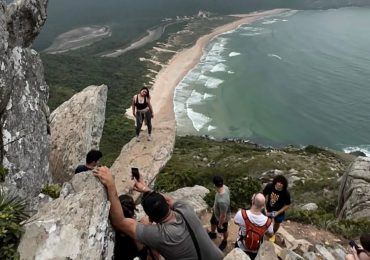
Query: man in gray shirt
170	235
221	211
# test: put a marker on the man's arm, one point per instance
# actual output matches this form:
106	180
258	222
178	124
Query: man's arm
223	210
282	210
238	218
150	107
133	107
119	222
222	220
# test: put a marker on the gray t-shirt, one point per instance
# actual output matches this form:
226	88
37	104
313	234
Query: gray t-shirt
173	240
222	204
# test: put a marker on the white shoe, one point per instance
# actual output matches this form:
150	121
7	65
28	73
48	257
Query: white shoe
149	138
137	139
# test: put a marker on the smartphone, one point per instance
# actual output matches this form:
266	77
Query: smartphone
353	244
135	173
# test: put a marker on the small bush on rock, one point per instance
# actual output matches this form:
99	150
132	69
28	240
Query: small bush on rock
53	190
12	213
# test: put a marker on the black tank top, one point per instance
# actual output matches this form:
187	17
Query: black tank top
140	106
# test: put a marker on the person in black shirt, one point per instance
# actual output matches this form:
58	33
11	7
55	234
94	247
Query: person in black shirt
92	160
142	110
277	200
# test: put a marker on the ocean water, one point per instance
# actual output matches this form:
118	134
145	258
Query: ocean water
302	77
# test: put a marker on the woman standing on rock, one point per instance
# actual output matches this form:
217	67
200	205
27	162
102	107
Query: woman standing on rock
142	110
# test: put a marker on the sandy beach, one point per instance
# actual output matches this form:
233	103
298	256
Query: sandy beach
151	156
78	38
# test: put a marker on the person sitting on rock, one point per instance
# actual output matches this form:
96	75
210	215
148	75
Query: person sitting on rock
253	226
363	252
92	160
277	200
178	232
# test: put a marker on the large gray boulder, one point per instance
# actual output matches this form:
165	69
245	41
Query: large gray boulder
23	98
72	227
267	252
236	254
354	191
76	127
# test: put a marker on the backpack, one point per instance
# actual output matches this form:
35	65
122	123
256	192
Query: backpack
253	233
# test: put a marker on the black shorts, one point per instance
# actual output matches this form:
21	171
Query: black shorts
214	221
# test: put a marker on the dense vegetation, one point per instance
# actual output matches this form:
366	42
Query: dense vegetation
245	167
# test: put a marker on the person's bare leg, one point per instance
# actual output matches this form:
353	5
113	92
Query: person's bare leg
350	257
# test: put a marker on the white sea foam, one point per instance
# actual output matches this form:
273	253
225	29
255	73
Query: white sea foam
219	67
203	79
230	72
288	13
179	103
251	34
284	20
362	148
270	21
198	120
233	54
274	55
213	82
207	96
195	98
253	29
193	75
211	127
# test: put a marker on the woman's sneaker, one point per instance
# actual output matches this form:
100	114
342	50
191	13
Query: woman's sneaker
149	138
137	139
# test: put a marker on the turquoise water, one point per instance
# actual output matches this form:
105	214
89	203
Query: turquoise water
299	78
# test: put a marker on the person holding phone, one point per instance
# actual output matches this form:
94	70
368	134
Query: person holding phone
170	235
360	252
135	174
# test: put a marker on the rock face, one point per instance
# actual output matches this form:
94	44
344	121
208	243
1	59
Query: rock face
71	227
76	127
23	98
236	254
354	191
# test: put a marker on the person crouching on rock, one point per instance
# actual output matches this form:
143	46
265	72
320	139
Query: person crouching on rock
142	110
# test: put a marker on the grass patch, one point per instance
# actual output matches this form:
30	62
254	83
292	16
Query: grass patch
244	167
53	190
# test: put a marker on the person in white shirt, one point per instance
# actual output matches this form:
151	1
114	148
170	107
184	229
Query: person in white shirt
253	219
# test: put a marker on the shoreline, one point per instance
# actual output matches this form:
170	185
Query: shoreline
151	156
168	78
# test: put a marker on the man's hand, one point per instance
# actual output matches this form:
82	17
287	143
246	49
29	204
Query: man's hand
105	176
140	185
